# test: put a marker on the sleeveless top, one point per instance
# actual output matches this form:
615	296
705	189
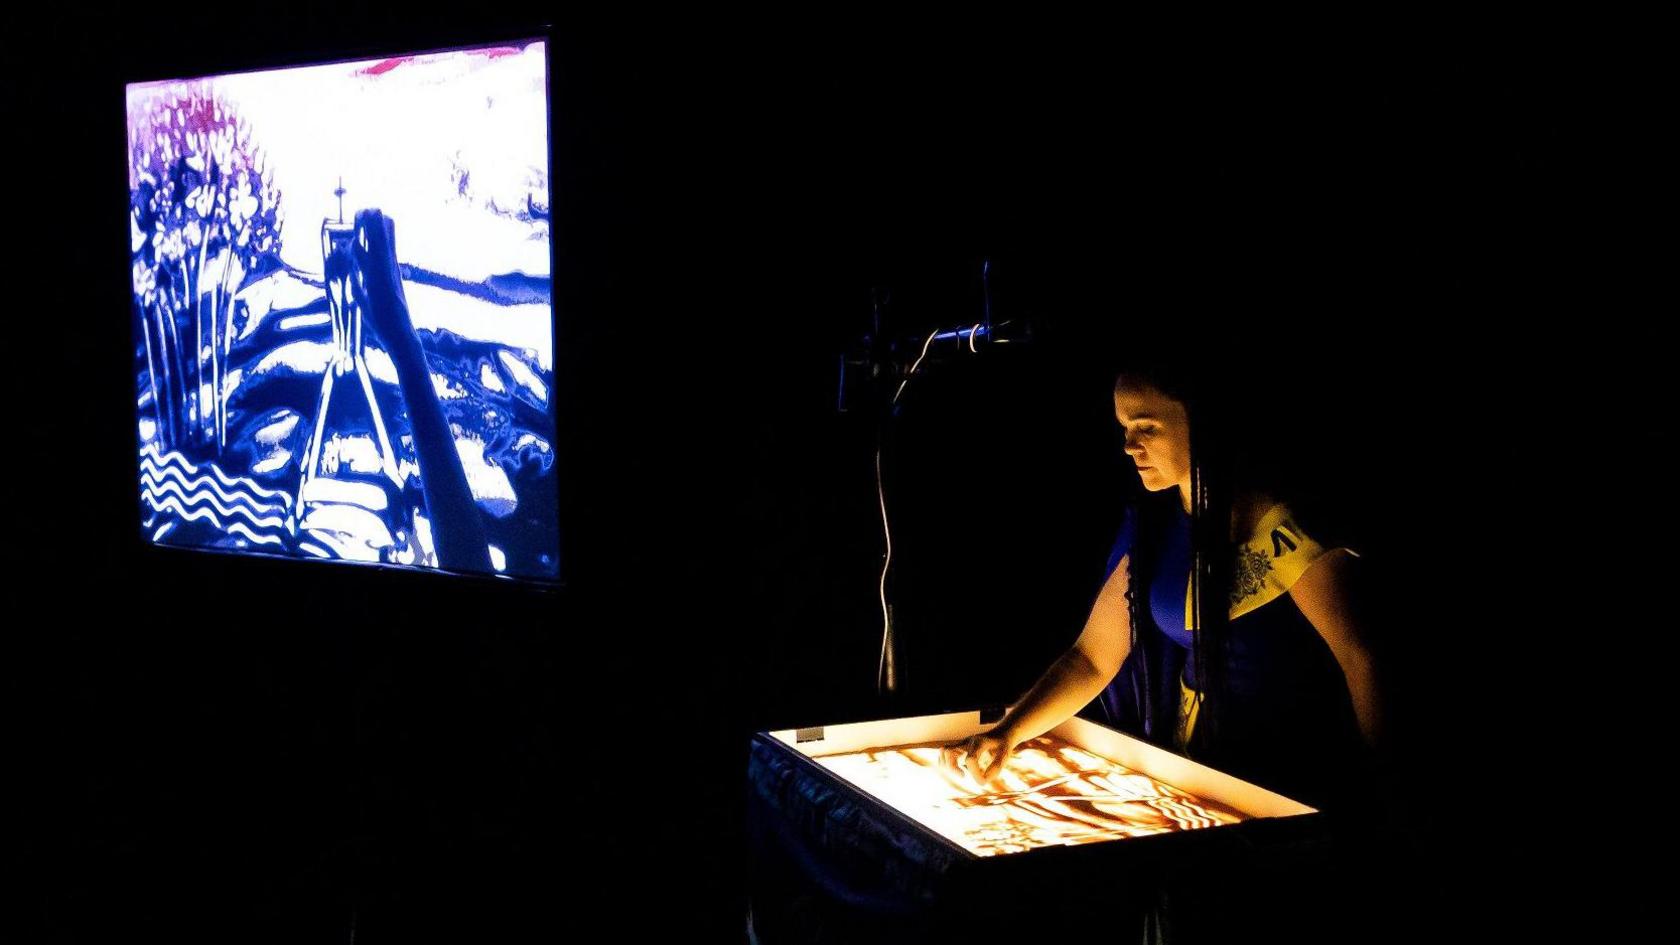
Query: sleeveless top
1287	721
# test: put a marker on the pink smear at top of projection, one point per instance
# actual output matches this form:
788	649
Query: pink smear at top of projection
384	65
489	52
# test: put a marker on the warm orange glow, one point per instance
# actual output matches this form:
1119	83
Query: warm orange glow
1050	794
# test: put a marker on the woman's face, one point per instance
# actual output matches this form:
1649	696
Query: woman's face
1157	435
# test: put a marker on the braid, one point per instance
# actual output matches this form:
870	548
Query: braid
1140	694
1212	566
1139	576
1198	580
1214	485
1155	701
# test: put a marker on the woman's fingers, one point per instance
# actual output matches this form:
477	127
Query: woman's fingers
948	758
980	757
973	760
954	757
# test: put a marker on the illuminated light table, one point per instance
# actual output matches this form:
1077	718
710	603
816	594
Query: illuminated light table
860	831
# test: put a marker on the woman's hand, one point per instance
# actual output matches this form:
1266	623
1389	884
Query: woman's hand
1070	683
982	756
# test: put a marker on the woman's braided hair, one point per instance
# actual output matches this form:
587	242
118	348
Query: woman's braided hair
1212	487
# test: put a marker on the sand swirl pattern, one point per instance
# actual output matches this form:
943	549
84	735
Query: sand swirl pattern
1050	794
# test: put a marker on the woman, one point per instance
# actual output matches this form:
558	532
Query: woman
1237	646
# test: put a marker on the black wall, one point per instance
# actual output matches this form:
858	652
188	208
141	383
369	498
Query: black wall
1406	231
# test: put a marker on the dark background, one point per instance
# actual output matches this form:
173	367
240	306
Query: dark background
1444	253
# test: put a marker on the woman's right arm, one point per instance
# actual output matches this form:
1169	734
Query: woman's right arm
1067	686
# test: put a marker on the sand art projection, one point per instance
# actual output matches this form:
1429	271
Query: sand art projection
342	311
